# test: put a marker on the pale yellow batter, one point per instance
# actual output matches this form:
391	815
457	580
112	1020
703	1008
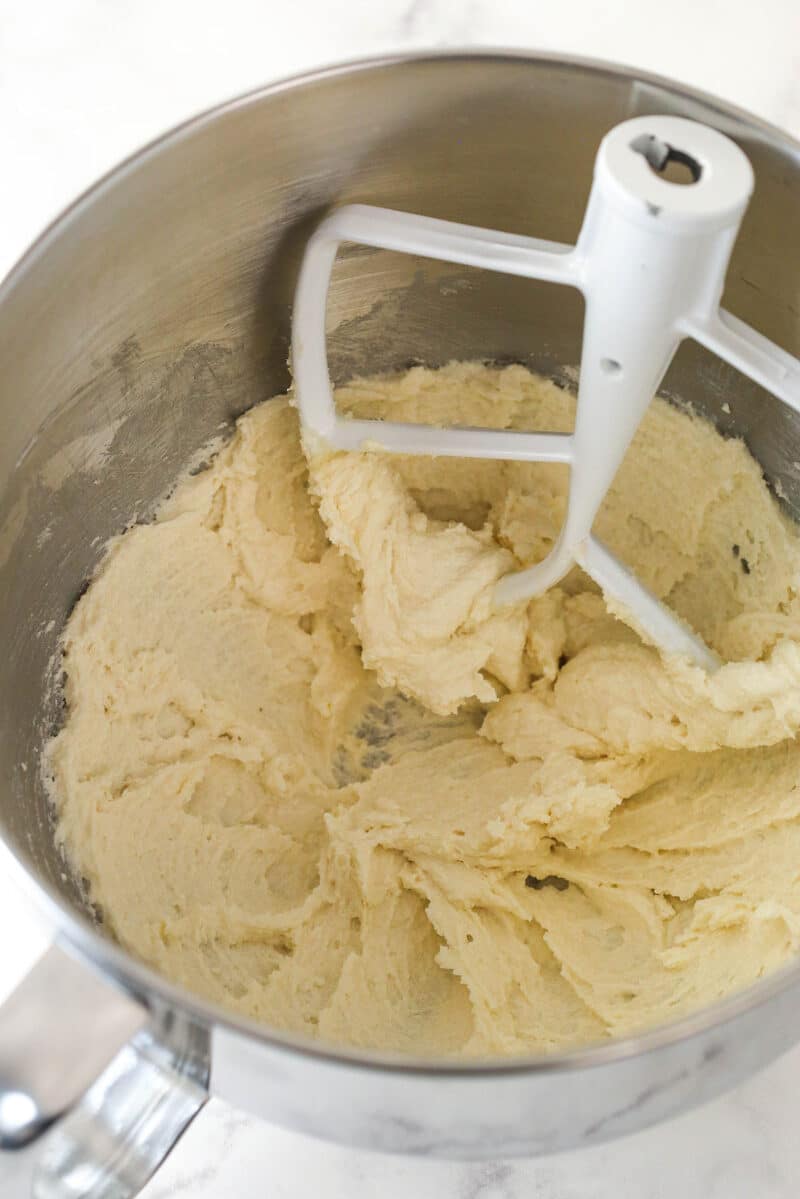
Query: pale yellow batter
310	774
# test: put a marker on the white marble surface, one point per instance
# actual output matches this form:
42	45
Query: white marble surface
84	82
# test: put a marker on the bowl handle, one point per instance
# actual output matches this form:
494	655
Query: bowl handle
95	1088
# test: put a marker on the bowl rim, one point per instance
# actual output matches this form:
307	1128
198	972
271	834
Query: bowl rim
75	933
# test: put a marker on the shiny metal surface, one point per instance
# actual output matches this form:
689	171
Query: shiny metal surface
157	309
48	1010
114	1140
66	1133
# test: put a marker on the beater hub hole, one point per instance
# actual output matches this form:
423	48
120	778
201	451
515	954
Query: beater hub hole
664	160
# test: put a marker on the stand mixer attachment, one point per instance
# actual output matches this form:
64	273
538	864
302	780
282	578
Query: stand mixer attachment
650	260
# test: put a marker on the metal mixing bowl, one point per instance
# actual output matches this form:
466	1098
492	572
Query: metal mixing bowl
157	310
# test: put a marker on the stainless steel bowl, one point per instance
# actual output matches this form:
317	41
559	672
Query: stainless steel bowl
156	310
